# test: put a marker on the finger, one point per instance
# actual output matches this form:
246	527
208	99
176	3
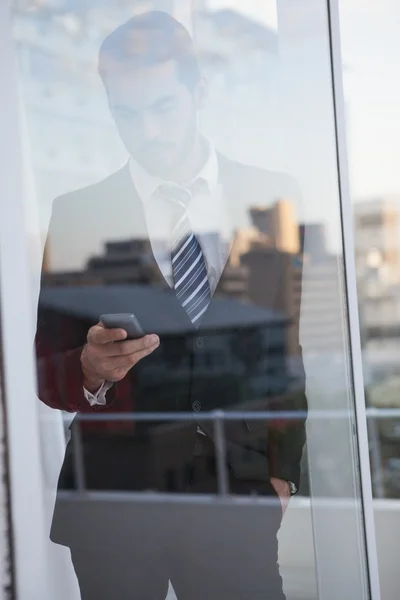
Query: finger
100	335
137	356
128	361
130	347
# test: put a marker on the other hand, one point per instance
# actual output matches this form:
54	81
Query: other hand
283	490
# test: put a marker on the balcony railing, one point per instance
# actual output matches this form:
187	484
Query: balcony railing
218	419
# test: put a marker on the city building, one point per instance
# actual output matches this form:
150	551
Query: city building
320	308
235	282
267	250
311	277
125	261
377	253
244	240
377	239
316	240
279	224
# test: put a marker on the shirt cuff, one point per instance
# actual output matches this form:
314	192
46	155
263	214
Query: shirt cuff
99	397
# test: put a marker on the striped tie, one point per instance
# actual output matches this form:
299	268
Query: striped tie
189	271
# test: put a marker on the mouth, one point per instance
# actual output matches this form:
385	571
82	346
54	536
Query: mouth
156	151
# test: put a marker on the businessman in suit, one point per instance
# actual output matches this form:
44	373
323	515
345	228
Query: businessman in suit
188	199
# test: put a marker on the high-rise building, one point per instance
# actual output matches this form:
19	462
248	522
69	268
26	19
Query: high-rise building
376	222
235	282
309	287
313	240
321	311
377	235
279	224
267	265
269	250
244	240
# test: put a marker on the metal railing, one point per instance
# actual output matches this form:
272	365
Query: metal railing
217	417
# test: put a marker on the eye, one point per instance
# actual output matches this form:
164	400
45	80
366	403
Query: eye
125	113
164	106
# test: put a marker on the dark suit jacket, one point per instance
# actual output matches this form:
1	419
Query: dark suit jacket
241	362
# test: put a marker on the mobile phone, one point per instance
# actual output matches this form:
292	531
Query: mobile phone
126	321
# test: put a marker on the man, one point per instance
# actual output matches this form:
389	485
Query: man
189	200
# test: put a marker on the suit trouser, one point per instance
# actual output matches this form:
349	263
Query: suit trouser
210	551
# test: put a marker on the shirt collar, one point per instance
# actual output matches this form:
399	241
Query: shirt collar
146	184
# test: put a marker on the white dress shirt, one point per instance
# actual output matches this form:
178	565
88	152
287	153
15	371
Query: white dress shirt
208	217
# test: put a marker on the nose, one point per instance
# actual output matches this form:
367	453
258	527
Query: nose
150	128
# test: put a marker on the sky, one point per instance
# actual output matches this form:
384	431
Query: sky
371	53
371	50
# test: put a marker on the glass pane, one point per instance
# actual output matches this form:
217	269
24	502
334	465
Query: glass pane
372	95
182	167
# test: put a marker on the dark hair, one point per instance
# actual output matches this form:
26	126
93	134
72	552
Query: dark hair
147	39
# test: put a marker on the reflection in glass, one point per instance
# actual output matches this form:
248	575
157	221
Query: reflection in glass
372	99
206	180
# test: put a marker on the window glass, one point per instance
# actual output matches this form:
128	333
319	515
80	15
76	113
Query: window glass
369	47
181	168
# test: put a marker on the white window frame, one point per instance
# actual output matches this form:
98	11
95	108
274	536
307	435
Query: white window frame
351	295
25	462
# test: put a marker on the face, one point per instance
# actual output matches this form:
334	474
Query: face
156	115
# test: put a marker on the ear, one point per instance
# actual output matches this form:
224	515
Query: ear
201	94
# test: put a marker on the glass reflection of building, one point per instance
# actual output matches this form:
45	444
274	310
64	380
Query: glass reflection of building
377	252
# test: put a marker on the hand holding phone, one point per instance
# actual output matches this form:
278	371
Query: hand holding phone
103	360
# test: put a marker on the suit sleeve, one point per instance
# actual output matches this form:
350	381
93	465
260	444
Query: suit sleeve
286	437
59	341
